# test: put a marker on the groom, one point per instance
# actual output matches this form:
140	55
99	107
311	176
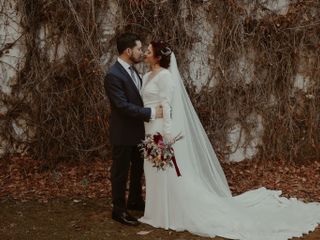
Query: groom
122	85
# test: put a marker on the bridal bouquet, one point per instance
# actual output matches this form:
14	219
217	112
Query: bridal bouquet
158	152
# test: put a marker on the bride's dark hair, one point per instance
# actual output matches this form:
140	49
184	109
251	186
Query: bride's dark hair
163	51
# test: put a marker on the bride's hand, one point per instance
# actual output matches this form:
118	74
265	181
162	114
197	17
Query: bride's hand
159	112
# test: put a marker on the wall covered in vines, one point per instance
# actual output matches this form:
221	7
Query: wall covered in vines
252	69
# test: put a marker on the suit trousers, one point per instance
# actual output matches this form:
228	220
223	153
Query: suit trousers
123	159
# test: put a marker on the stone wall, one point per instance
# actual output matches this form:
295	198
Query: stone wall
198	66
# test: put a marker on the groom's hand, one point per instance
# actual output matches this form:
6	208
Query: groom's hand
159	112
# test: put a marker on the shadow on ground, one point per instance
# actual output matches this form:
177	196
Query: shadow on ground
79	219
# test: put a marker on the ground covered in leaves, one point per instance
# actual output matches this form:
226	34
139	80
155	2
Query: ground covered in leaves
73	201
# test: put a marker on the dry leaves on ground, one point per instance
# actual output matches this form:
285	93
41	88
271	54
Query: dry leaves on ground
23	179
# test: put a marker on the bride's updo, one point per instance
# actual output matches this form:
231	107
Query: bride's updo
162	50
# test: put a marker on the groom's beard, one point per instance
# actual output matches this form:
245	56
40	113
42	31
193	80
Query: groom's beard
136	60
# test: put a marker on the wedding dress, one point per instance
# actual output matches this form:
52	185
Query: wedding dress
200	200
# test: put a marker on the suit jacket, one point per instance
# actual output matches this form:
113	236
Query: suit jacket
127	112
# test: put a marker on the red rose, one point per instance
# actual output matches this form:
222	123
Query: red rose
157	138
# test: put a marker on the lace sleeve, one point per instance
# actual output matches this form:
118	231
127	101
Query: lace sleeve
166	87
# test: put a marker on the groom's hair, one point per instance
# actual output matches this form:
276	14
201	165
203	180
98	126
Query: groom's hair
126	40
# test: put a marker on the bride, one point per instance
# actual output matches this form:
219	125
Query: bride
200	200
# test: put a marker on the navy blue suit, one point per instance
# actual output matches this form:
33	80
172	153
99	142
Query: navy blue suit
126	131
127	112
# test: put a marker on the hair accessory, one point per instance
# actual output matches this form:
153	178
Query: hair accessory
166	52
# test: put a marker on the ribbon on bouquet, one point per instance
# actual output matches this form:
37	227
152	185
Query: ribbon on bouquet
176	166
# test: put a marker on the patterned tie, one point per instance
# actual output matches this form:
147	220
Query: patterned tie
134	77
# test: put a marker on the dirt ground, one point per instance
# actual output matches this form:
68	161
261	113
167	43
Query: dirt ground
79	219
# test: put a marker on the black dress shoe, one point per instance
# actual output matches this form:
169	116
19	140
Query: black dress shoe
136	206
125	218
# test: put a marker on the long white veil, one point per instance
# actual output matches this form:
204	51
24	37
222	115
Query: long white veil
198	154
200	201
